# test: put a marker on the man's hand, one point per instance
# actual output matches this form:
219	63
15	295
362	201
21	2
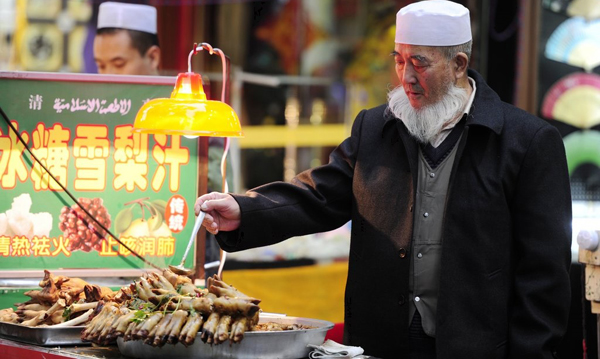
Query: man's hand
222	212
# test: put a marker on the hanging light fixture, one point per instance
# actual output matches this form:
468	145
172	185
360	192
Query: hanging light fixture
187	111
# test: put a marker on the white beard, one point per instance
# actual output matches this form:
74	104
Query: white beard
426	123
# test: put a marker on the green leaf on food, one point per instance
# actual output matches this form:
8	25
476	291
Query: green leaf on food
165	299
139	316
142	309
67	313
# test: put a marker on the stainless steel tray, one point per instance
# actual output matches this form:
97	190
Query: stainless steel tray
46	336
287	344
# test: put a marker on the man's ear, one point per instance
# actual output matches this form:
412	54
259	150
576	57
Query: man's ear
153	56
461	64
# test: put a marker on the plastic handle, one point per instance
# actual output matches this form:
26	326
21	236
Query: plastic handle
197	225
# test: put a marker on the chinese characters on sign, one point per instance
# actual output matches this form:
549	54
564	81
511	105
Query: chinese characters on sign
145	246
176	213
22	246
90	150
88	146
132	185
35	102
50	146
36	247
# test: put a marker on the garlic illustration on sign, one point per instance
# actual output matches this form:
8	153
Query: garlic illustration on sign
19	221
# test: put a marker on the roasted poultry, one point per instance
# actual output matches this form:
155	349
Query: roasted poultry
61	301
168	308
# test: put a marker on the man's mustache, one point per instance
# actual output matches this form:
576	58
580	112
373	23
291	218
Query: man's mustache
414	88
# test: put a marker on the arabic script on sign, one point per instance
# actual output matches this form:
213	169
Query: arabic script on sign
95	105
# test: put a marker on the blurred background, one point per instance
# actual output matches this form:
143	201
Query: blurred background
325	61
302	69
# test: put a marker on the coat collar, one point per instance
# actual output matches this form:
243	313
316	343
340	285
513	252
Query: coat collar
486	110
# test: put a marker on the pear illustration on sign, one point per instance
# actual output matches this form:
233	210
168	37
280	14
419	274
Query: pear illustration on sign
153	225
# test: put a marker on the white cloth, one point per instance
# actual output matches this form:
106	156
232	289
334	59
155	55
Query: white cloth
127	16
331	349
433	23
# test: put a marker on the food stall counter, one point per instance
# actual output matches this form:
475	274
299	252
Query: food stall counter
15	350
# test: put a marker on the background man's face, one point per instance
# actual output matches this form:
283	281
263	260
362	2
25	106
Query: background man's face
114	54
423	72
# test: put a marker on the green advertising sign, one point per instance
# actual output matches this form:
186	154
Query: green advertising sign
141	187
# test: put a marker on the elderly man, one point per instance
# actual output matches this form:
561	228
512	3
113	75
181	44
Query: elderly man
460	207
126	41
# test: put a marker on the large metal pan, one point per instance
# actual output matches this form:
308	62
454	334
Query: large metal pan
48	336
287	344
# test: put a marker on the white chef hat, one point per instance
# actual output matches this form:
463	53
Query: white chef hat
127	16
433	23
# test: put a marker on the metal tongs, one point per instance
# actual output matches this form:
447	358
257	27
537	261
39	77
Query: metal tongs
180	269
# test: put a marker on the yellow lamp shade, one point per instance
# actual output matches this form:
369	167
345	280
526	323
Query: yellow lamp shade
188	112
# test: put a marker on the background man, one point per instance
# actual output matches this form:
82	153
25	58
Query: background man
460	207
126	40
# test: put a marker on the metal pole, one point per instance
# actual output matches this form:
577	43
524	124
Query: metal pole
234	146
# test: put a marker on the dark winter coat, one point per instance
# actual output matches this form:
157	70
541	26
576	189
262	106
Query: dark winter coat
504	289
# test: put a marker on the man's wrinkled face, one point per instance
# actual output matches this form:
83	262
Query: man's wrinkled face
423	72
114	54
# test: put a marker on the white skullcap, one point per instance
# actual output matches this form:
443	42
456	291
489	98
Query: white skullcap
433	23
127	16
